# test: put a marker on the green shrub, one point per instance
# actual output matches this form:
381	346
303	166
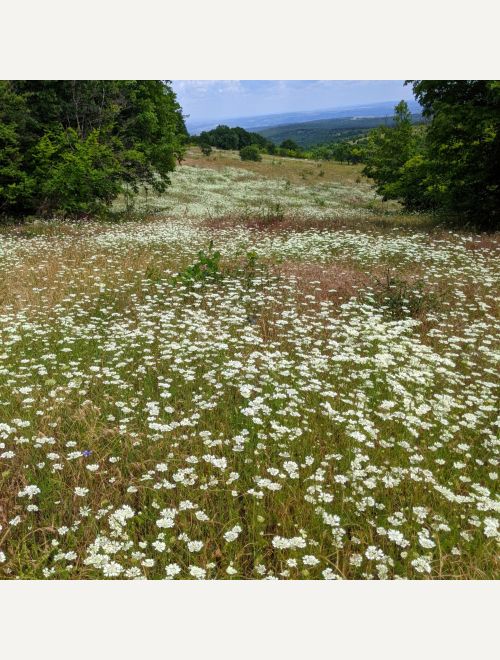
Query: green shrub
251	152
289	145
206	268
76	175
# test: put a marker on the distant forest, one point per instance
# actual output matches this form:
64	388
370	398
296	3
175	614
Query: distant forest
321	131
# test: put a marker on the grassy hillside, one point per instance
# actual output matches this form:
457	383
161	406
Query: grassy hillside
288	170
266	373
307	134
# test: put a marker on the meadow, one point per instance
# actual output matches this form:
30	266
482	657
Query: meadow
266	372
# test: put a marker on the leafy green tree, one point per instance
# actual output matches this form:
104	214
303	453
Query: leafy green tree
245	138
387	150
79	175
340	151
250	152
224	137
111	133
221	137
16	185
451	164
461	173
151	129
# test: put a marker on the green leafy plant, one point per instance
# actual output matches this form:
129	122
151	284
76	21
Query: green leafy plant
205	269
274	212
225	137
76	175
250	267
399	298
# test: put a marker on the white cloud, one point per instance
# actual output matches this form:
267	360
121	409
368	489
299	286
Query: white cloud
201	87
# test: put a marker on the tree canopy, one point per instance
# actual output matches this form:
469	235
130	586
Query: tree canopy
71	146
462	159
451	164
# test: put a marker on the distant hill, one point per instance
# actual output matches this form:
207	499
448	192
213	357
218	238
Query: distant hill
310	133
260	122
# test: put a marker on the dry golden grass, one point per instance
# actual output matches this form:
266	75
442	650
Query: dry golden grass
304	172
28	288
337	282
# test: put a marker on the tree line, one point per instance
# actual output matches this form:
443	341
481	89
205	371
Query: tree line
73	146
450	164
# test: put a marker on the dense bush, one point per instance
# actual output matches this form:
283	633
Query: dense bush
251	152
71	146
348	151
79	175
289	145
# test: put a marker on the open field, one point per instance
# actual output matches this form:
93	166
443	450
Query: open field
319	402
291	170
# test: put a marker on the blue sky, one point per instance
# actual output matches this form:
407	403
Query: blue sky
214	99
